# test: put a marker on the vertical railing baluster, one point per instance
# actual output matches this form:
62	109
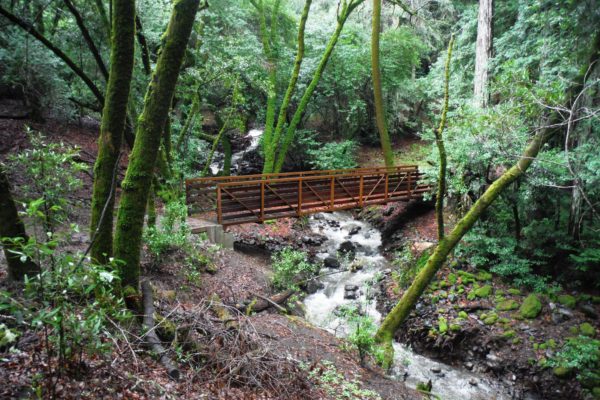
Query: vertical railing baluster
332	192
361	190
387	182
262	201
299	196
219	210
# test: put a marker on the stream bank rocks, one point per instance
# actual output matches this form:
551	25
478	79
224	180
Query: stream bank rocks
472	320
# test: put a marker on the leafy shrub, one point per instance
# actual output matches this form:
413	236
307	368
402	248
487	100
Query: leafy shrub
335	383
170	232
407	266
334	155
362	331
289	265
52	173
580	354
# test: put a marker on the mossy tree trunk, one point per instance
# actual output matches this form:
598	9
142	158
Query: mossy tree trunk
384	137
12	233
271	146
345	9
439	140
400	312
112	127
136	186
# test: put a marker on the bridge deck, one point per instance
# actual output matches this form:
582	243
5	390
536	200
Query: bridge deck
256	198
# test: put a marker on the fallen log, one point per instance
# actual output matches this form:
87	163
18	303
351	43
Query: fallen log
261	303
223	313
152	340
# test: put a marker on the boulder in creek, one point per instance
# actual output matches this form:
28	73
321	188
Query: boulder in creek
331	262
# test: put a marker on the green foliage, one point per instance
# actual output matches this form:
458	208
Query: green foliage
361	334
407	266
52	172
334	155
531	307
290	266
171	232
336	384
580	354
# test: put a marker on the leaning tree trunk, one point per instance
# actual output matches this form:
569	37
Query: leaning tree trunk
130	219
483	52
384	136
12	234
410	297
113	125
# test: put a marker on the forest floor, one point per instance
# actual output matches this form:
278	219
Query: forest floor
460	320
265	356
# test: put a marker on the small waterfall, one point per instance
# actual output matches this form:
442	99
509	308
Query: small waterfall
254	136
345	232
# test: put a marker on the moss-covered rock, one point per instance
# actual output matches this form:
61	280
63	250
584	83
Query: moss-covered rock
483	276
483	291
514	292
507	305
587	329
471	295
466	277
562	372
455	327
452	278
509	334
490	319
442	325
463	315
531	307
567	300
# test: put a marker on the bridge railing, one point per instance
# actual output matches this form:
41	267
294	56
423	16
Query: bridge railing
262	197
201	193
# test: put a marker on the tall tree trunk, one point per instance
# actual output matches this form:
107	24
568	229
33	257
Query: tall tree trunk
271	147
12	233
345	10
439	139
132	209
483	52
112	127
384	137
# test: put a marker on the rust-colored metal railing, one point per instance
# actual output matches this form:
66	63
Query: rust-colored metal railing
256	198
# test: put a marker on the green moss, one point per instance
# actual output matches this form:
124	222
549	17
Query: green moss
452	278
483	276
460	290
509	334
587	329
543	346
463	315
483	291
531	307
514	292
507	305
516	340
596	392
551	343
567	300
573	330
471	295
444	284
536	346
466	277
562	372
504	321
442	325
490	319
596	299
455	327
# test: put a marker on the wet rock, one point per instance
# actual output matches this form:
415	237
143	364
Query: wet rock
473	382
347	247
314	240
388	211
436	370
589	311
354	230
469	365
349	295
356	266
313	286
350	287
331	262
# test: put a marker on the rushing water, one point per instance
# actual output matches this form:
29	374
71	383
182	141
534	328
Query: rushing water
254	136
448	382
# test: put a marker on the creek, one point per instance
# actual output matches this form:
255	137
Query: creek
362	241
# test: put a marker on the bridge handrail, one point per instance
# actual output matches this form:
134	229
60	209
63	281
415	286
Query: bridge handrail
248	178
311	177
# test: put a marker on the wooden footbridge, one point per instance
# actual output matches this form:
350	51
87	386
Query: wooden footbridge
260	197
